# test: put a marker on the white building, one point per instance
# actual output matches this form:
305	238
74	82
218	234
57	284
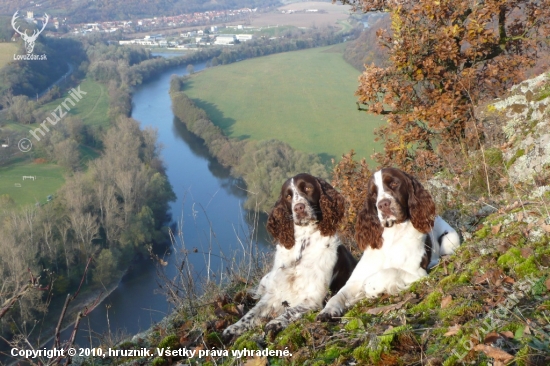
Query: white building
147	41
244	37
225	39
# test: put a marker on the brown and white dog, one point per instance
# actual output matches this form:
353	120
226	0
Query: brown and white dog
309	257
401	237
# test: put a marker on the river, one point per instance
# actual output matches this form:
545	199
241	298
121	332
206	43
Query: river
209	204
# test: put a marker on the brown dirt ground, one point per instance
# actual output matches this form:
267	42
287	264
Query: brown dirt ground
298	19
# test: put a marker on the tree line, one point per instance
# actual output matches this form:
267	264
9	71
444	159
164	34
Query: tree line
136	73
263	165
289	40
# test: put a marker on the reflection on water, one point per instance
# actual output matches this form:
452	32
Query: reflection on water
197	146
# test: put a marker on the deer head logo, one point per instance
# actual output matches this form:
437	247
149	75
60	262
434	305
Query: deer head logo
29	40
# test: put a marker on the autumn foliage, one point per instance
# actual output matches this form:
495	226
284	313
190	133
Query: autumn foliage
445	58
350	177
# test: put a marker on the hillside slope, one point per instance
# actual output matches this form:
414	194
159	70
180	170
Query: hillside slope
489	304
80	11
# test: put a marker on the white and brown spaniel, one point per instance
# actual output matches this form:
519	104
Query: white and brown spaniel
401	237
309	257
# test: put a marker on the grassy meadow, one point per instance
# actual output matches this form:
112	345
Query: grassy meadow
93	106
92	109
305	98
49	178
7	50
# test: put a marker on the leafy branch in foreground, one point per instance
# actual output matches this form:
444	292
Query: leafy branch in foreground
57	354
446	56
34	283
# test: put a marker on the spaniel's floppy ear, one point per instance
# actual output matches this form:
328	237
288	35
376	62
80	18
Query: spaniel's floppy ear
332	206
280	224
421	207
368	229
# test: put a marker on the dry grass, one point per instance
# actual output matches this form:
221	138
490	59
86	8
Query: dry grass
298	19
331	14
319	5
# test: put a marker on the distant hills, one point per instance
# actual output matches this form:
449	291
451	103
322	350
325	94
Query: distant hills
81	11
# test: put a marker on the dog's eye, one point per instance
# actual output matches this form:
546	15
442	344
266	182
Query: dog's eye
289	197
308	189
394	185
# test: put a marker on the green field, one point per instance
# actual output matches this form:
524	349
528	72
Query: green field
93	106
305	98
92	109
49	177
7	50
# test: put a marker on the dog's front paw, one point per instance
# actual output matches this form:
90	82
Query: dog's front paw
327	315
274	327
231	332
